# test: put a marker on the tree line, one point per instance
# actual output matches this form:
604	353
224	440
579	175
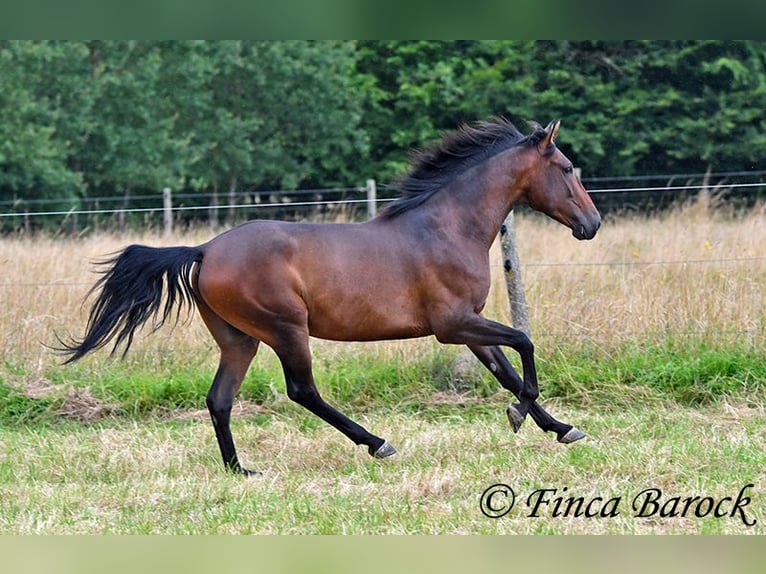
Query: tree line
125	118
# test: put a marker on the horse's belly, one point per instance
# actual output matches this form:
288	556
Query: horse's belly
366	315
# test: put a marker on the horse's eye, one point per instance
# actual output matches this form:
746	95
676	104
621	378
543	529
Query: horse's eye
568	169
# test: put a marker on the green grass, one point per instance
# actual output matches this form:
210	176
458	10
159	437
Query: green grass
690	373
127	447
662	364
152	383
122	476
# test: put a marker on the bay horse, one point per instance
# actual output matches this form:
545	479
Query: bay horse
420	268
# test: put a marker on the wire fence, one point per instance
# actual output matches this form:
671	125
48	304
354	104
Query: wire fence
330	202
354	203
570	331
543	264
151	210
190	208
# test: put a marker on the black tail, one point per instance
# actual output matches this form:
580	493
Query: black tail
132	290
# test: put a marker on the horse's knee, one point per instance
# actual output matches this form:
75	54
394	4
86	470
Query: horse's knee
302	394
523	344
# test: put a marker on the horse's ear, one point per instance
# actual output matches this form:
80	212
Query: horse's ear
553	129
549	139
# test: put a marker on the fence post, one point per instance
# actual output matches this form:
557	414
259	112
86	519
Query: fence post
513	283
232	199
95	220
167	211
212	209
372	206
466	366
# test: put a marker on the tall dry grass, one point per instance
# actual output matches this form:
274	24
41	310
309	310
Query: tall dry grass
696	271
46	281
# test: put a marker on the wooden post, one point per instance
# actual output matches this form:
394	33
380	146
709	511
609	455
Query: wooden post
231	215
513	283
466	366
213	209
167	211
372	206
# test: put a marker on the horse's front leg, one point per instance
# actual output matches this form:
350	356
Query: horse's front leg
475	331
495	360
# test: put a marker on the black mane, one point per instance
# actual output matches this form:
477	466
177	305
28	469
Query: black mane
471	144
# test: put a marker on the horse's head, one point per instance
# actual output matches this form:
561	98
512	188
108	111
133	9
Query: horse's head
552	186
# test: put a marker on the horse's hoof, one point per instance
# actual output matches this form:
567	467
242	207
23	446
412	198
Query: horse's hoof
514	417
384	451
237	470
573	435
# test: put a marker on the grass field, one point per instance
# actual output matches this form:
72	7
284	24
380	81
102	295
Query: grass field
163	475
650	338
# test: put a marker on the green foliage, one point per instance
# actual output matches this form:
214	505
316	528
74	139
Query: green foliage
40	118
627	107
122	118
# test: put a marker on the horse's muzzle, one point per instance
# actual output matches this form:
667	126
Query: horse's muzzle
587	228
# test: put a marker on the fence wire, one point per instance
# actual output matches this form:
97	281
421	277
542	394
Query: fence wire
718	261
292	204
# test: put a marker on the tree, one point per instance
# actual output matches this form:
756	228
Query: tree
41	106
130	143
119	118
270	115
308	106
626	107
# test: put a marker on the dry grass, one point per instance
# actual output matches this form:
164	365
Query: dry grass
692	272
45	283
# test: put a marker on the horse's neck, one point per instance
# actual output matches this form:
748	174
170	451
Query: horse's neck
476	204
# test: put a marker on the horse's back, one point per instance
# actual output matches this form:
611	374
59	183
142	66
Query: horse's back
314	249
342	281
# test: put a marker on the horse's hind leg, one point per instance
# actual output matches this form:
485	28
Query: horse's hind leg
220	398
296	363
237	352
495	360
